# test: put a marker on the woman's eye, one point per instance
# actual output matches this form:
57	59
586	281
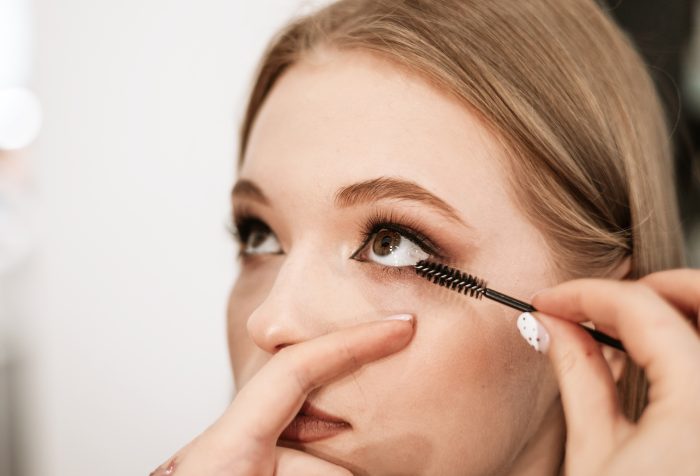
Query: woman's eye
260	240
391	248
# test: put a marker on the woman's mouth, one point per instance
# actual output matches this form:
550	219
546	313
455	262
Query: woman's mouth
312	424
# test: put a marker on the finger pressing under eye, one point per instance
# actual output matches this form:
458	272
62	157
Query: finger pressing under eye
681	287
654	333
271	399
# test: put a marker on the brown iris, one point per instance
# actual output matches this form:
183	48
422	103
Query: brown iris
257	238
385	242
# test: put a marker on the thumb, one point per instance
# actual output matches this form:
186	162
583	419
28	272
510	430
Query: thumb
586	384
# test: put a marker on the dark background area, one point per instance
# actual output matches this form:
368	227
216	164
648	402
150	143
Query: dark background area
665	33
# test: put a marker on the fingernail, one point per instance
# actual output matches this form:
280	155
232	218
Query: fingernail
399	317
533	332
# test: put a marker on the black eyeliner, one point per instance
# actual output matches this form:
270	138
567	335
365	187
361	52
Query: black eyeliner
243	222
405	226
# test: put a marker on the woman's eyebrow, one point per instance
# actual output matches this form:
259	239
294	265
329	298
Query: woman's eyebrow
381	188
248	189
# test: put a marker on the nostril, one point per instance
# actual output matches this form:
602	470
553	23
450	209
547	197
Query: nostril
279	347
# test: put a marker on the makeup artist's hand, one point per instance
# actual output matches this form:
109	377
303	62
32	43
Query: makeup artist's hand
243	440
657	319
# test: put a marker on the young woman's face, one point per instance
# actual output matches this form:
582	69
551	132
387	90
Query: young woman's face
365	169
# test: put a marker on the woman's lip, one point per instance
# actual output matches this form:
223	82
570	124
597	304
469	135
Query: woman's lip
313	424
308	409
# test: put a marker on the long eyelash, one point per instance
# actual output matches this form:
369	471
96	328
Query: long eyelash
407	226
240	225
244	220
232	230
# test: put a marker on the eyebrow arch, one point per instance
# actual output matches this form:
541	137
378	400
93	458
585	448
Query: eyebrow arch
248	189
392	188
359	193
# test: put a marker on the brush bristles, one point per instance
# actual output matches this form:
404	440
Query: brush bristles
451	278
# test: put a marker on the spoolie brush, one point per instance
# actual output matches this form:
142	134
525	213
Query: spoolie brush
472	286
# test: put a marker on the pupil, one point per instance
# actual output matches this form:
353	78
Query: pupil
256	238
386	242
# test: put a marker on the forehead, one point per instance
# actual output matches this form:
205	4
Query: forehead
341	117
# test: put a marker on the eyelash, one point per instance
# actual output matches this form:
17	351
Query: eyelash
405	226
241	225
244	221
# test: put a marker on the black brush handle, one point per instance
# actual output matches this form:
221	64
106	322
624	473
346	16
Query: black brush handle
508	301
525	307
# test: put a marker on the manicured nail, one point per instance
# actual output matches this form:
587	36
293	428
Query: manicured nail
399	317
533	332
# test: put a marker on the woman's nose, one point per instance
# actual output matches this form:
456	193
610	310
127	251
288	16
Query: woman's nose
305	301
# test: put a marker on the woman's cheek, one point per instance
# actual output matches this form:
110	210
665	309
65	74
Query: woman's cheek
449	394
385	288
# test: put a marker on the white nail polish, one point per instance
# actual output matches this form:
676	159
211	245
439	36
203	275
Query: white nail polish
533	332
399	317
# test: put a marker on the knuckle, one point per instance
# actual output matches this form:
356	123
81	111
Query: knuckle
567	362
348	353
575	354
638	289
303	380
299	371
291	362
632	291
637	295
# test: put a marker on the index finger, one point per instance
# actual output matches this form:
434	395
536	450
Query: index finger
271	399
681	287
653	332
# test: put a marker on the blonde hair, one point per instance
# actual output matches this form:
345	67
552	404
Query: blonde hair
561	87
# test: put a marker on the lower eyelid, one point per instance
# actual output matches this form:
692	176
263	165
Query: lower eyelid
385	271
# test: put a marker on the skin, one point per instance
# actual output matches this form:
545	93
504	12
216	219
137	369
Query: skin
658	319
455	389
467	397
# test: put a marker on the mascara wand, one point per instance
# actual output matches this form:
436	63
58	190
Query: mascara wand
471	286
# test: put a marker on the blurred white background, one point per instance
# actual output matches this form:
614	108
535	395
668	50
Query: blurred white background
114	260
112	326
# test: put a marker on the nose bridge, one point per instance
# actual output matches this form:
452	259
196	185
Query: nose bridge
293	310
